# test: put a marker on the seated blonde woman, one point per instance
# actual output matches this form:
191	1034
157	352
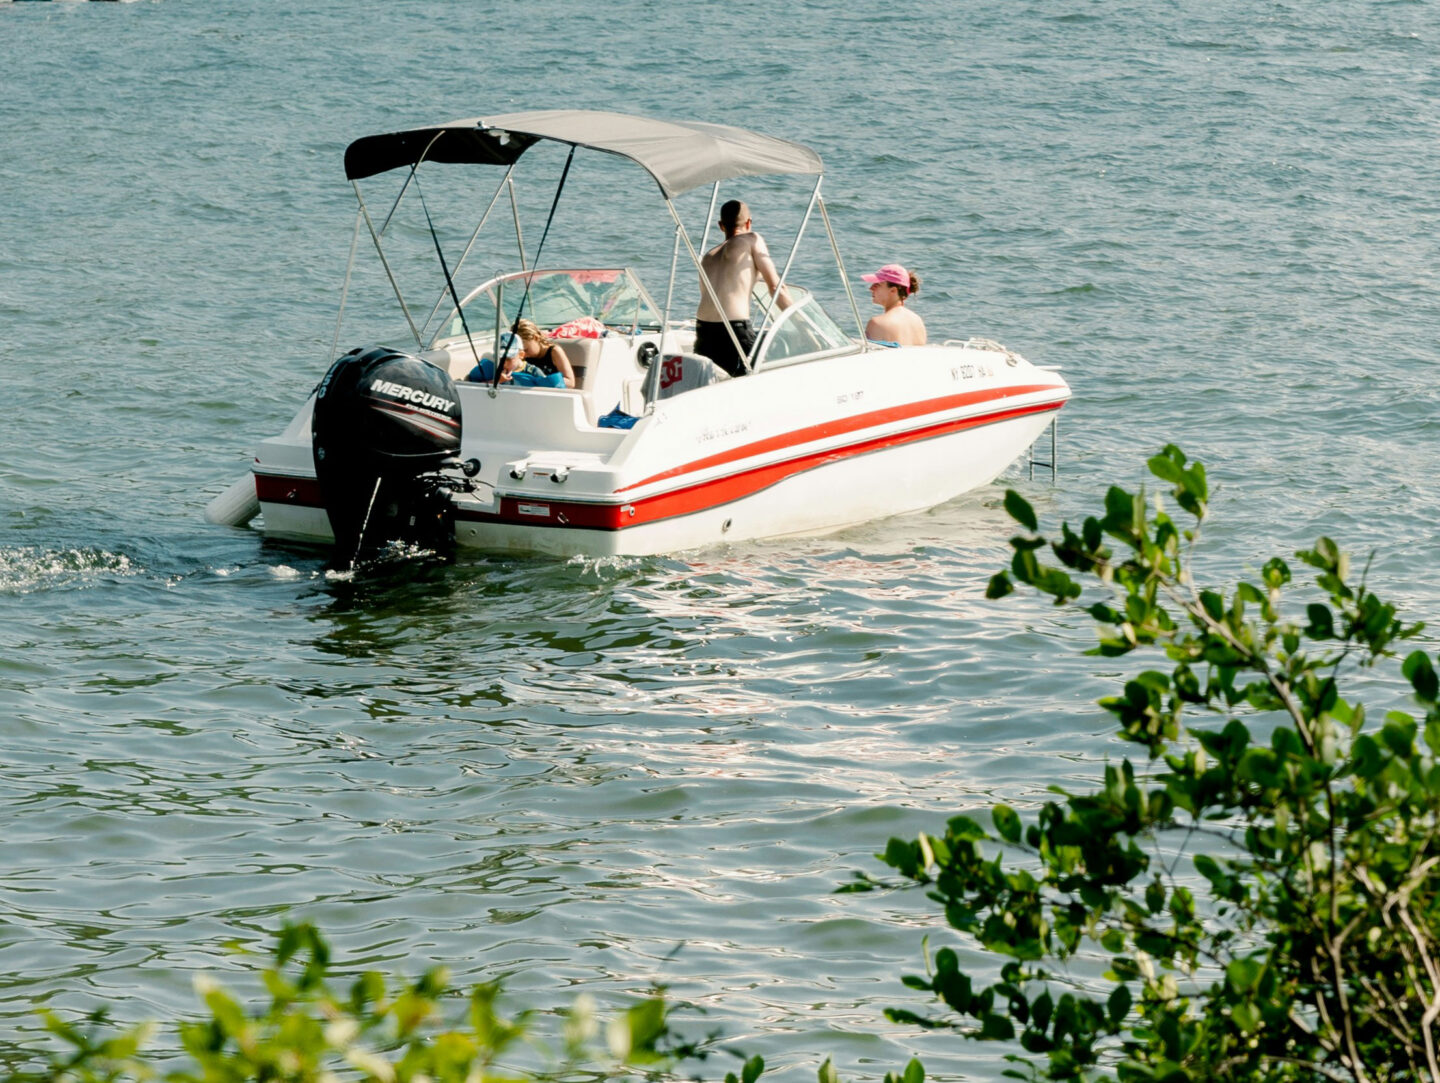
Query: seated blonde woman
538	350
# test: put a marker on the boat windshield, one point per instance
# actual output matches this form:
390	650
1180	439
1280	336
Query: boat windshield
613	296
800	331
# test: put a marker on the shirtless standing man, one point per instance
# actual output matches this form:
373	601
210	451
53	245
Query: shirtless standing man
731	267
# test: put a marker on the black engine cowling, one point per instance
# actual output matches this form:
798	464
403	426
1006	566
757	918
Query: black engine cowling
384	420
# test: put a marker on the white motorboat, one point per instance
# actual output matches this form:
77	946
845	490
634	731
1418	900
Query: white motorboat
656	449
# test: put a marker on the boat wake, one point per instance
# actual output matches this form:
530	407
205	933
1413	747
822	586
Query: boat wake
27	569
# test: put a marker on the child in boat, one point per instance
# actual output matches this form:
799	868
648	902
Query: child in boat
484	372
513	368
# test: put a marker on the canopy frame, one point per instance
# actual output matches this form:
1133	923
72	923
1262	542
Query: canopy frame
678	155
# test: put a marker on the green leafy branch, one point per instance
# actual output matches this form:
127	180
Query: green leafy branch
1300	941
375	1032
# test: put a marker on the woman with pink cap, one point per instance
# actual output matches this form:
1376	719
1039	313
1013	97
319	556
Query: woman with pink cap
889	286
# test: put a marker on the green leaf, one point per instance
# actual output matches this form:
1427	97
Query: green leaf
1249	592
1399	737
1243	975
1166	468
1155	896
1007	822
753	1070
1322	621
1326	556
1366	760
1021	511
996	1028
1207	867
963	829
1432	736
1214	604
1118	1004
1042	1009
1421	675
1124	512
1276	573
1246	1016
999	586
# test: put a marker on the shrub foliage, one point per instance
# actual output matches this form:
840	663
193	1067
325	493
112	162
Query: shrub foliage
1258	900
311	1032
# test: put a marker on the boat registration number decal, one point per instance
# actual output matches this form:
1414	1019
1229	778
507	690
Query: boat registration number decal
971	372
534	509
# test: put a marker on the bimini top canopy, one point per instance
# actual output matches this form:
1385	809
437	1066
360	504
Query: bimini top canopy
680	155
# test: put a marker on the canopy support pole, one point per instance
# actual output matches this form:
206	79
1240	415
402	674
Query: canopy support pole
775	293
554	203
515	212
670	287
400	195
345	289
652	378
390	274
406	186
449	278
375	236
710	217
495	352
473	237
844	278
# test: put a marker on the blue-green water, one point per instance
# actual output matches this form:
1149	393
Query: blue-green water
1220	219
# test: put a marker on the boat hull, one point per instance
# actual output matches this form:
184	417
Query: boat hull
808	449
823	499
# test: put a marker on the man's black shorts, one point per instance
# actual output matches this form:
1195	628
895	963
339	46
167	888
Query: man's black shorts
712	340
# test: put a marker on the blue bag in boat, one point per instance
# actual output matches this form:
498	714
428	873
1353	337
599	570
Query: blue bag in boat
525	376
530	376
617	419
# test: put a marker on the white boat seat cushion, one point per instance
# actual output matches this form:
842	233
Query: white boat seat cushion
582	353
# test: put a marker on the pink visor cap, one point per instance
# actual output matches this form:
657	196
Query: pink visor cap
892	273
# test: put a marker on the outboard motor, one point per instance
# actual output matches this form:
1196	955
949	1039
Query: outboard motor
384	423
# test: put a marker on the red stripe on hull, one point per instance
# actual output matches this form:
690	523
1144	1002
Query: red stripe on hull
712	494
841	426
273	489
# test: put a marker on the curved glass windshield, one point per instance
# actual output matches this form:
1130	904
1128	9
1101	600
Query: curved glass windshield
613	296
802	329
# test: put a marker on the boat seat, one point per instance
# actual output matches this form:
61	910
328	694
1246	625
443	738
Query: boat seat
582	353
601	368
